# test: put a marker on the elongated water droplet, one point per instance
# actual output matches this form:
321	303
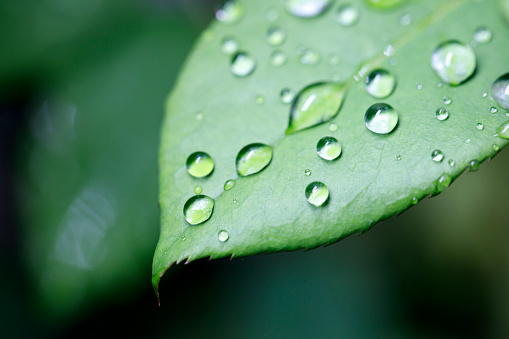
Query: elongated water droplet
385	4
198	209
414	200
234	201
473	165
503	130
500	90
242	64
447	100
380	83
442	114
310	57
442	183
276	36
454	62
315	104
199	164
398	157
334	59
228	185
287	95
277	59
389	50
230	13
223	236
229	46
307	8
253	158
437	155
317	193
480	126
347	15
483	35
419	86
328	148
381	118
198	190
307	172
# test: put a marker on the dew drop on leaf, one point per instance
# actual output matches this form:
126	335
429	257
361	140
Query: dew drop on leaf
306	8
442	114
229	46
500	90
199	164
223	236
230	13
198	190
437	155
380	83
328	148
483	35
452	163
453	61
242	64
317	193
347	15
260	99
253	158
473	166
443	182
307	172
503	130
276	36
286	95
447	100
228	185
480	126
198	209
277	59
381	118
310	57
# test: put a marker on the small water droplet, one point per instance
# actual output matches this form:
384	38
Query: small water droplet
230	13
287	95
414	200
199	116
496	147
228	185
480	126
242	64
310	57
272	14
503	130
328	148
234	201
276	36
389	50
393	61
307	8
484	94
473	165
493	109
440	84
380	83
198	209
381	118
467	141
260	99
437	155
199	164
452	163
447	100
483	35
419	86
500	90
307	172
454	62
183	237
347	15
277	59
442	114
405	19
253	158
334	59
229	46
317	193
442	183
315	104
198	190
333	127
223	236
398	157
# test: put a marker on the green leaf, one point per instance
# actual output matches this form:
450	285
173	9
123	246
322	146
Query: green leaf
375	177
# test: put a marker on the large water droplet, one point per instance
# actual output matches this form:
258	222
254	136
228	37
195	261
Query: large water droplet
199	164
437	155
306	8
384	4
253	158
229	46
242	64
442	114
317	193
276	36
277	59
443	182
230	13
223	236
500	90
347	15
483	35
328	148
228	185
315	104
198	209
381	118
287	95
503	130
380	83
453	61
493	109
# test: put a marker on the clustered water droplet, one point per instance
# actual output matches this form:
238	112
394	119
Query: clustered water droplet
503	130
287	95
381	118
454	62
380	83
473	165
328	148
198	209
317	193
253	158
199	164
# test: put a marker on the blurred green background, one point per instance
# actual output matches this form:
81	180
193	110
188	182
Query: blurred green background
83	85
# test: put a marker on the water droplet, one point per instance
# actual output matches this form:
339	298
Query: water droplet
467	141
271	14
442	183
276	36
447	100
328	148
253	158
503	130
333	127
493	109
381	118
234	201
405	19
306	8
419	86
260	99
198	209
334	59
496	148
347	15
183	237
484	94
242	64
199	116
228	185
310	57
479	126
483	35
307	172
287	95
380	83
278	59
453	61
229	46
500	90
440	84
315	104
199	164
442	114
223	236
473	166
230	13
384	4
437	155
317	193
198	190
414	200
452	163
398	157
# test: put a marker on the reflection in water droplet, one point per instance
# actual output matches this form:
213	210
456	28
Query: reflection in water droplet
315	104
230	13
333	127
287	95
198	190
328	148
483	35
479	126
199	164
381	118
452	163
307	172
260	99
437	155
223	236
453	61
242	64
347	15
253	158
405	19
317	193
306	8
310	57
278	59
500	90
276	36
447	100
442	114
442	183
229	46
380	83
198	209
473	166
228	185
503	130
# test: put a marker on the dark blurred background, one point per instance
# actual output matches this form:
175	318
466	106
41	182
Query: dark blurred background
83	85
